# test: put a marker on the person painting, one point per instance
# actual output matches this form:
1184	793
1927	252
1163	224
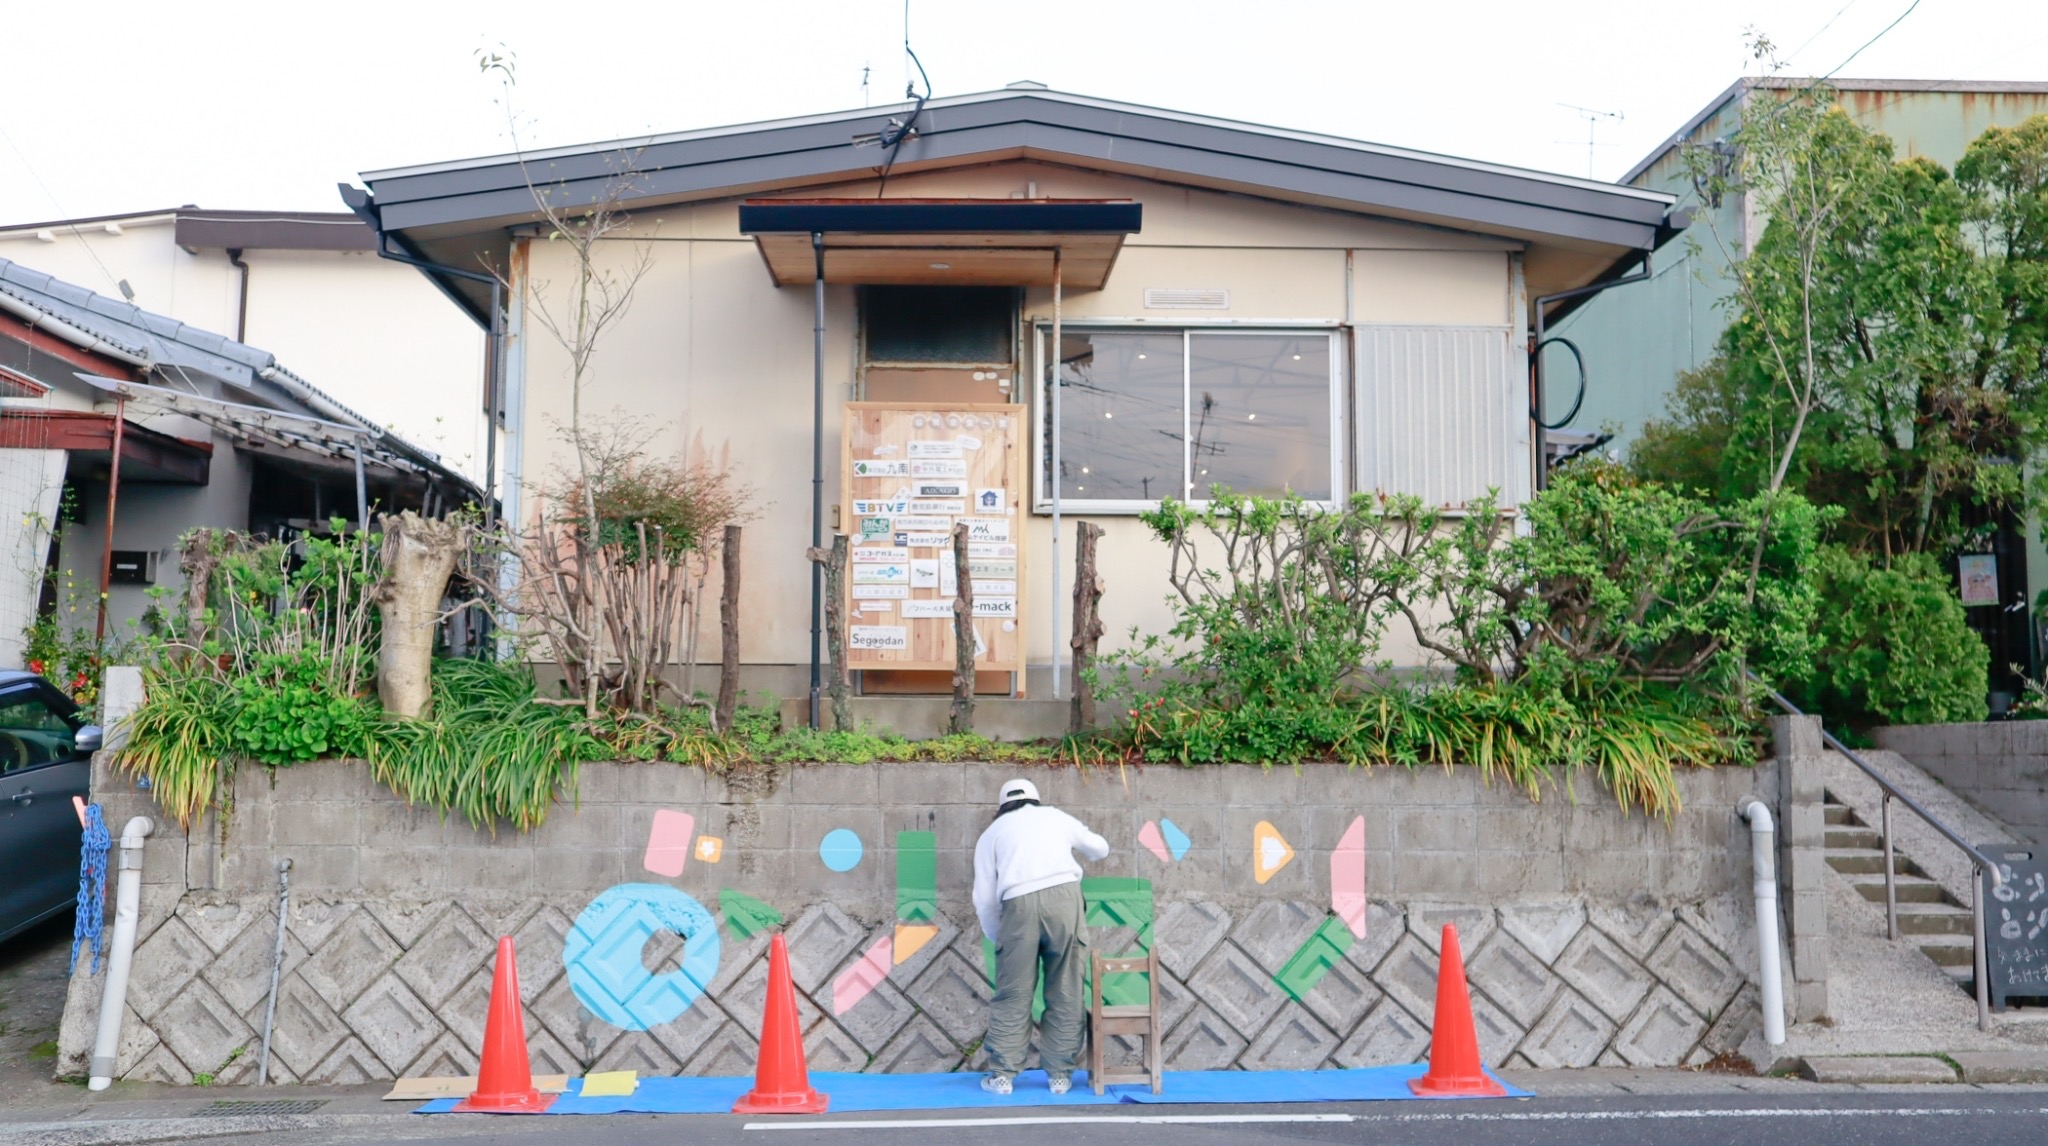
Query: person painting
1027	891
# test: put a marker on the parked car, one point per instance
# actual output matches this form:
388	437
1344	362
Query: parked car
46	752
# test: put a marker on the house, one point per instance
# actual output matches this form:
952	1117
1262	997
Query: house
121	429
1637	340
1271	310
305	284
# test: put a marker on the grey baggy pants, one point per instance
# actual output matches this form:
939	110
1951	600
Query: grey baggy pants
1040	925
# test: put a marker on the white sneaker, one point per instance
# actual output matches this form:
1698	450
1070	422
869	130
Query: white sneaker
1060	1083
996	1083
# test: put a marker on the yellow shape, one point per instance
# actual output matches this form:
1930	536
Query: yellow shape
610	1084
1270	852
710	848
911	938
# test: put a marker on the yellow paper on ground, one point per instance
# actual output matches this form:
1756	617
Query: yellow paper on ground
610	1084
462	1086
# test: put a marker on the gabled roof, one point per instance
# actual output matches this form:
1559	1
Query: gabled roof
196	228
430	205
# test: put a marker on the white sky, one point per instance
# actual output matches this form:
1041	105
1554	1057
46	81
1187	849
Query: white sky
127	106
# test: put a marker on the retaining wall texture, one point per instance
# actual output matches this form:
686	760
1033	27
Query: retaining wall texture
1590	936
2002	767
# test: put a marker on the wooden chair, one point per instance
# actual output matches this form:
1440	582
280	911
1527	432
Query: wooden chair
1126	1020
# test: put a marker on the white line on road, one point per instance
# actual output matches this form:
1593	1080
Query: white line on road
1056	1120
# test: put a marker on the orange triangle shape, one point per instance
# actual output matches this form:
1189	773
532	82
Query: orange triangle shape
911	938
1270	852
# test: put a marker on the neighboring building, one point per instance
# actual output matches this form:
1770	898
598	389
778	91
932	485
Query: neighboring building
210	432
1637	339
1280	311
309	286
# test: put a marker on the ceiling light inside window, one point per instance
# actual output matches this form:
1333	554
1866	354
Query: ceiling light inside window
1107	414
1297	358
1084	469
949	266
1251	417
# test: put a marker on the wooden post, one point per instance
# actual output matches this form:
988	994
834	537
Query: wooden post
837	683
729	634
962	718
1087	625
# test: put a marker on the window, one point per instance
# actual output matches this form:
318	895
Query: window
32	733
1149	414
926	324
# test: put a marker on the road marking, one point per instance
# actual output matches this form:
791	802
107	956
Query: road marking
1057	1120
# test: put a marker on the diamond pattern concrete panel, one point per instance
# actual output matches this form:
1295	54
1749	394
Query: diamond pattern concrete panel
1294	1040
160	1065
163	965
219	923
819	942
312	921
921	1048
748	1000
1185	933
1341	998
445	956
349	1064
1409	976
1499	1033
1512	976
1203	1041
1272	931
955	996
358	952
1733	1026
639	1051
826	1047
1571	1034
538	942
306	1030
1638	925
1596	967
392	1022
444	1057
729	1050
1384	926
546	1052
404	920
685	1036
242	973
1662	1031
1690	966
1237	988
585	1035
1544	928
876	1019
200	1027
1475	924
1388	1036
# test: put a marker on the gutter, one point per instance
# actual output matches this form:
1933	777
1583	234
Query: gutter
76	335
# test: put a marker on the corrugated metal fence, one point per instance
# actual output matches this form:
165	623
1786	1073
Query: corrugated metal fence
1438	412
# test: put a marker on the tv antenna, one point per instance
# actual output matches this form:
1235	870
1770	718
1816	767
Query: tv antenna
1592	116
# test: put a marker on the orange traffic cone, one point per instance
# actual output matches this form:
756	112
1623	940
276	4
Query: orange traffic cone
1454	1067
782	1083
504	1081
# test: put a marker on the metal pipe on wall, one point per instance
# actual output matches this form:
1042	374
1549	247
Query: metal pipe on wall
113	497
1057	291
1536	363
817	455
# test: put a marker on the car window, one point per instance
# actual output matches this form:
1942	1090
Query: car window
32	733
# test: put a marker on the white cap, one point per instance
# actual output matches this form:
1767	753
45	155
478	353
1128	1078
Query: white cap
1018	789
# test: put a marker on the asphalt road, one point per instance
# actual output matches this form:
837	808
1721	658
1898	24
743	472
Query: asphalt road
1906	1117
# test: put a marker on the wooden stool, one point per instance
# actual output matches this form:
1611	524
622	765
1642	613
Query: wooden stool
1127	1020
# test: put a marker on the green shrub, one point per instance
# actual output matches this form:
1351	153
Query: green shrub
286	711
1894	644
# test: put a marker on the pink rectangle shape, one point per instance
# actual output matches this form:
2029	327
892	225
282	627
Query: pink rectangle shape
668	842
858	981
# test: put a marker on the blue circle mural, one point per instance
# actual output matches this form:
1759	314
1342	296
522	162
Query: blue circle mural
840	849
602	955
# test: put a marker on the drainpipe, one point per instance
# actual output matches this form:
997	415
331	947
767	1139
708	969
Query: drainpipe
99	635
817	454
106	1046
1536	364
241	307
1058	351
1763	861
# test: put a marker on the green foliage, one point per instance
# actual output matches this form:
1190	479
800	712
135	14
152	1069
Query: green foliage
179	740
1895	647
286	712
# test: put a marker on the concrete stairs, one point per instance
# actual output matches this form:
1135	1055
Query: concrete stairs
1928	915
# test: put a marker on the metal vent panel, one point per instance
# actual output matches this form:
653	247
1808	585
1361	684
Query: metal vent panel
1436	412
1187	298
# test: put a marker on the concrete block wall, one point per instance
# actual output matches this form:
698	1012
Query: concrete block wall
1802	861
2001	766
1591	936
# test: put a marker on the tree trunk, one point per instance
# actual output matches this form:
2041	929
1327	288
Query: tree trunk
197	560
418	557
838	684
1087	625
962	715
728	634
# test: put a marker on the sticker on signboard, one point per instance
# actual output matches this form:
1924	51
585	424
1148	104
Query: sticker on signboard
881	592
909	521
949	579
995	588
980	646
939	489
1009	626
949	508
873	606
1978	573
925	540
875	468
995	549
881	574
874	527
924	573
938	469
991	501
878	636
927	610
992	569
969	442
995	607
887	451
878	554
988	529
934	450
880	507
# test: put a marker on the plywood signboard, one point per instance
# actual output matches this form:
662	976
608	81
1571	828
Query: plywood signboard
911	471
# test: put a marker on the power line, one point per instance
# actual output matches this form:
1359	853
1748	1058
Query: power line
1823	28
1874	39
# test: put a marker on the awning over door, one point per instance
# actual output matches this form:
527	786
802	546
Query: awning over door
937	242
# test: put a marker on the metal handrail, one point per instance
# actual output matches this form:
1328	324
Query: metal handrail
1978	860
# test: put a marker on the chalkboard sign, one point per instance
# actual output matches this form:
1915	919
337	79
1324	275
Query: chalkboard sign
2016	923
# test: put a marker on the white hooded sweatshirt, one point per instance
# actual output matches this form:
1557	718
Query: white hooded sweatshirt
1028	850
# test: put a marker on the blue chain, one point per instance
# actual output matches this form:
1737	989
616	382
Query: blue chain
92	887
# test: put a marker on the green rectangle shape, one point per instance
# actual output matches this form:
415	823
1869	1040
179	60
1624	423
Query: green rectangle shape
1117	902
1314	958
745	915
917	877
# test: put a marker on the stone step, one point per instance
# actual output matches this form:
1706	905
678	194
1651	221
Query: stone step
1876	1069
1911	888
1858	861
1838	813
1947	950
1855	837
1933	919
